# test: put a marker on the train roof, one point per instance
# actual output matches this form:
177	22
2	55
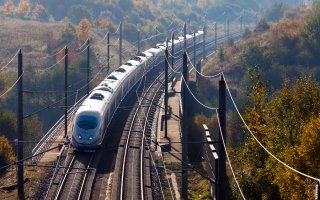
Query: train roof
146	54
200	32
154	51
188	36
175	41
161	46
95	103
127	68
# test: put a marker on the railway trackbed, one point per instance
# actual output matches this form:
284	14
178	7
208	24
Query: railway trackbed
132	179
68	182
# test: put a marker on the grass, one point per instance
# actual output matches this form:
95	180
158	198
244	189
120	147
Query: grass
198	187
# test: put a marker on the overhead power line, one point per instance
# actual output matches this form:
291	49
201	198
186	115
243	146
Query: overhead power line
206	76
195	98
2	68
52	66
225	149
9	89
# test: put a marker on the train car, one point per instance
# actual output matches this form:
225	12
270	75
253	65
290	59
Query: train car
88	126
97	110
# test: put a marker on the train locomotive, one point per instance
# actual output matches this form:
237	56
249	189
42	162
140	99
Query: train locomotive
96	111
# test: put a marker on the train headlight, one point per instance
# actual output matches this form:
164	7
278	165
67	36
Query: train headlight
90	138
80	137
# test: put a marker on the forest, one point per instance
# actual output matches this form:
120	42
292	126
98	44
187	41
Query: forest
277	91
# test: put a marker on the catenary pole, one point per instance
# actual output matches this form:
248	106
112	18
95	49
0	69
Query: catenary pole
65	92
185	129
108	52
20	127
166	94
222	154
88	67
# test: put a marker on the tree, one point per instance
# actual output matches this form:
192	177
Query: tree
254	56
68	32
262	26
255	176
24	8
83	30
287	123
8	125
310	36
40	13
9	7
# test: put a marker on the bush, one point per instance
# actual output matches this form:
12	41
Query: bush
221	54
246	34
230	42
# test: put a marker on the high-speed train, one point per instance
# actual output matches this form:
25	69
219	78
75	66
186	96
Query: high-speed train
97	110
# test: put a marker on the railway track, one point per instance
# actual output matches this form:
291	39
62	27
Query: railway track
70	180
132	178
137	142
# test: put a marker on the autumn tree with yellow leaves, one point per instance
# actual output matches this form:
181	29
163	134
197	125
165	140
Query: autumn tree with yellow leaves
39	12
8	7
6	152
83	29
24	8
287	123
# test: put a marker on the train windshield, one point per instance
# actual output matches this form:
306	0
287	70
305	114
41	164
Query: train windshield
87	122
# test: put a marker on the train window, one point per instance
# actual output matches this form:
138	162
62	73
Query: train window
153	53
87	122
137	59
112	77
97	96
120	70
142	54
105	87
129	64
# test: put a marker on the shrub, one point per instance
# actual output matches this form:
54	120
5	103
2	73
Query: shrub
246	33
221	54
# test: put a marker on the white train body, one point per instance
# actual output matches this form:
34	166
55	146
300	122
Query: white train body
95	113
